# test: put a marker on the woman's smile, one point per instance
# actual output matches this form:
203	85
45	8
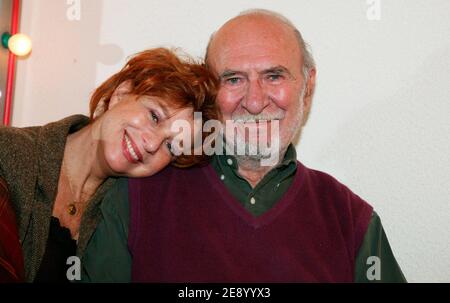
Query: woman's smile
130	150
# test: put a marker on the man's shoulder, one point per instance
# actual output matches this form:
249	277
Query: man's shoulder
333	197
319	178
327	186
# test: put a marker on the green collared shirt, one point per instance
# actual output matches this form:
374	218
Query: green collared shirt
107	258
267	192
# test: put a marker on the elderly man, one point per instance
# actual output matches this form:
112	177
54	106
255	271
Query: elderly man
236	220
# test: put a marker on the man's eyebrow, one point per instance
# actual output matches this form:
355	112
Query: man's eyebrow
279	69
229	73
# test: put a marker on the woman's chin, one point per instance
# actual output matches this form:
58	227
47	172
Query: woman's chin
120	168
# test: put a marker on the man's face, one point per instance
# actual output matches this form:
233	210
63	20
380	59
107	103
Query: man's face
259	65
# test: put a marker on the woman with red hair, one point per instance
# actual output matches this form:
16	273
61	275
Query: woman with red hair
59	173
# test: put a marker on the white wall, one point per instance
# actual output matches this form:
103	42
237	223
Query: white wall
380	120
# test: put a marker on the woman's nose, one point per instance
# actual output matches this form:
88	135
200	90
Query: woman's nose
152	141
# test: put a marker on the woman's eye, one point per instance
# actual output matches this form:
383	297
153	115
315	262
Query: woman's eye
169	147
154	116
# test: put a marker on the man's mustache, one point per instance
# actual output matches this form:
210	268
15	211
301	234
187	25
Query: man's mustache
259	117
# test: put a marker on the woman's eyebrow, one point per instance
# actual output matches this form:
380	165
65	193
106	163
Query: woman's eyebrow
174	113
165	111
152	101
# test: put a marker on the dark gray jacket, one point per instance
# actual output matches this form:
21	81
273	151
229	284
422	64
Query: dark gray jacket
30	162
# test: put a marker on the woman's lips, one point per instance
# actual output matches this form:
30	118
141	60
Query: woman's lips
130	149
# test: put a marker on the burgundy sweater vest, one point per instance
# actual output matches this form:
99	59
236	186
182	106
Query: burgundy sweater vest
187	227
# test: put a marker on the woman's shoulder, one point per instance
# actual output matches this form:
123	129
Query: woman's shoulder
17	145
28	135
16	139
16	135
19	140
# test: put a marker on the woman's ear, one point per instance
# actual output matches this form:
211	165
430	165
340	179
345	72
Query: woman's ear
117	96
124	88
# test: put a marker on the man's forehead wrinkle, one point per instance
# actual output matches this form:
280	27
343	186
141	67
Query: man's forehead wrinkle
244	28
229	61
253	46
253	23
252	49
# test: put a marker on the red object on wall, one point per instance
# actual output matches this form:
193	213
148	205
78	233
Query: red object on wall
11	258
11	66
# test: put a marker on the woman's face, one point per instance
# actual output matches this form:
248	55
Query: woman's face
136	135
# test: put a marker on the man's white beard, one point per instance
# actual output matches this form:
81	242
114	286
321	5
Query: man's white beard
256	151
254	141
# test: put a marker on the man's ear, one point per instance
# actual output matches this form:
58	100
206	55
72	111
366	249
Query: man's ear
309	93
123	89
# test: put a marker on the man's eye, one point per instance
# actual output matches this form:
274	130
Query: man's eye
274	77
233	80
154	116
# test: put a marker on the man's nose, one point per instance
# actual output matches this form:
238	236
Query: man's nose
255	99
152	141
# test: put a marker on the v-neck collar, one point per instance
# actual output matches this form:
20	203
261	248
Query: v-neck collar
257	200
256	222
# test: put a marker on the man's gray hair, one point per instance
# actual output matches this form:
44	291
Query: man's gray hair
308	60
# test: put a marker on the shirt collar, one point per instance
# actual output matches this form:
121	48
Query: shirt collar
226	166
229	161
